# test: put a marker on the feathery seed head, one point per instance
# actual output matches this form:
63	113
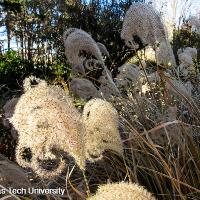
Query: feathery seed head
30	81
128	74
107	90
191	51
103	49
77	42
83	88
143	22
165	55
68	32
46	118
78	67
185	58
101	125
122	191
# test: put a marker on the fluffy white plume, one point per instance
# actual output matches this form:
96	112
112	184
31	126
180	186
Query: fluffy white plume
83	88
144	22
46	119
165	55
122	191
129	74
77	42
101	124
103	49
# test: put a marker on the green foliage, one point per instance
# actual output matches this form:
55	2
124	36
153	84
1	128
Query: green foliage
60	69
13	69
11	65
12	5
186	38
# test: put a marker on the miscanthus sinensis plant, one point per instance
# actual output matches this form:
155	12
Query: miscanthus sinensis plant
143	21
122	191
83	88
101	129
143	26
152	125
77	42
48	124
85	54
187	57
46	119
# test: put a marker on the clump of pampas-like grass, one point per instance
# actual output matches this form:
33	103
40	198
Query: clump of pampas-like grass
122	191
101	129
46	119
143	26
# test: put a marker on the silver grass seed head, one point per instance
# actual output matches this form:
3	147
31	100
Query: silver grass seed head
122	191
30	81
46	118
101	129
103	49
128	74
83	88
106	89
68	32
192	51
144	22
79	41
78	68
165	55
185	58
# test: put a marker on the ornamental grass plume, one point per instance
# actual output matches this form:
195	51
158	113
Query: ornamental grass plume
165	55
78	68
142	24
101	129
106	89
77	42
81	49
186	59
129	74
103	49
46	119
68	32
83	88
177	85
192	51
195	23
122	191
